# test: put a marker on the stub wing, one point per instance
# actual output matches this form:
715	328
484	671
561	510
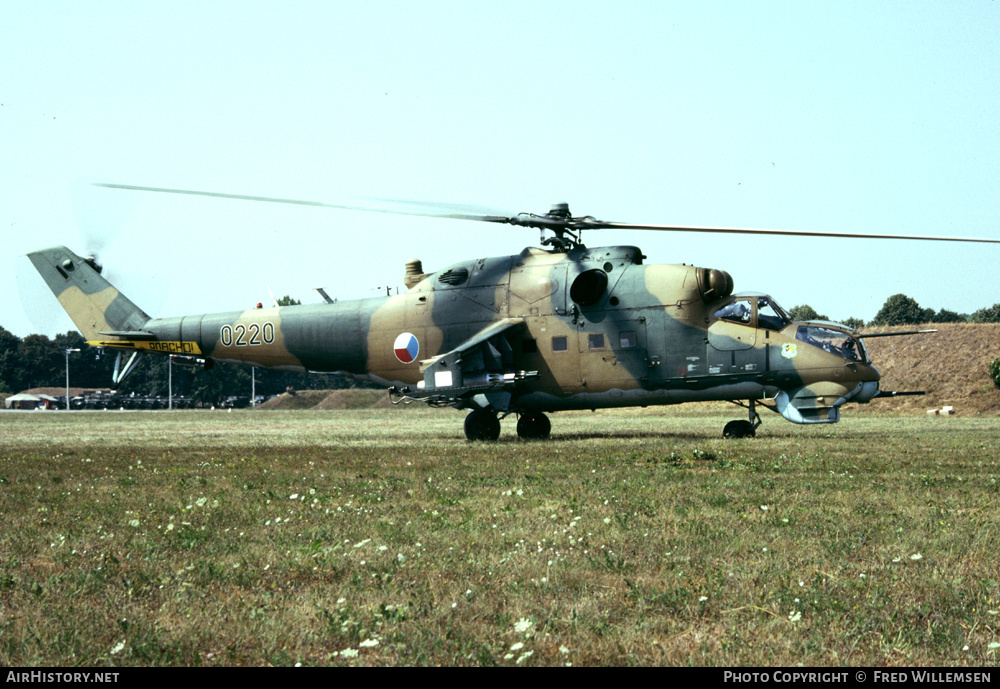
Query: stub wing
482	367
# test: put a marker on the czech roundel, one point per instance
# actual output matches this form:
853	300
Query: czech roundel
406	348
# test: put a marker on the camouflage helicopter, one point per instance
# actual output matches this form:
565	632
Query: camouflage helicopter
553	328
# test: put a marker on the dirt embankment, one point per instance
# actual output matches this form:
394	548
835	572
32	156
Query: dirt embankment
329	399
951	365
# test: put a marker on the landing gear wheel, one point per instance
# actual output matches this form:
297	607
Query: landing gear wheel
739	429
482	425
533	426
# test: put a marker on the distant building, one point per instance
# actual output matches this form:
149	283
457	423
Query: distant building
29	401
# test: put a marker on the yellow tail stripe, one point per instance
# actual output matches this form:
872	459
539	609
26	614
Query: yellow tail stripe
163	347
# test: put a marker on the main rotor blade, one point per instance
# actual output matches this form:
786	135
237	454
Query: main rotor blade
794	233
395	207
549	221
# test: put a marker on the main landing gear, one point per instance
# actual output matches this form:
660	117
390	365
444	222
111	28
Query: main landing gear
533	426
743	429
483	425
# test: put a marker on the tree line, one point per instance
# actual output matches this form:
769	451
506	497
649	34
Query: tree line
37	361
900	309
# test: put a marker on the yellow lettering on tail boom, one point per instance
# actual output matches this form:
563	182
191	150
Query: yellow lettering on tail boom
189	348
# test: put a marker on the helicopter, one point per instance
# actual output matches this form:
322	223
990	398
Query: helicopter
557	327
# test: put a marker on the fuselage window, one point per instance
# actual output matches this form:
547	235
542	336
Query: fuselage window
596	340
833	341
771	316
626	339
737	312
560	343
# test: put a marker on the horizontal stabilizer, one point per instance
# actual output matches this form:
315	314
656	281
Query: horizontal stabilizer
130	334
155	346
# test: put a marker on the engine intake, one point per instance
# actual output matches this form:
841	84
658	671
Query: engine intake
714	284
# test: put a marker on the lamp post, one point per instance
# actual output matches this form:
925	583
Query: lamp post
68	350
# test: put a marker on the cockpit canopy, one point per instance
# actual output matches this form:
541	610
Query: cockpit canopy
833	340
761	311
755	310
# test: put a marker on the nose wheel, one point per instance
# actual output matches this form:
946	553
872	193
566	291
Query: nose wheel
744	429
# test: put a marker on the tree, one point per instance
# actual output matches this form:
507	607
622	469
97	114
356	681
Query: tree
288	301
855	323
40	363
987	315
804	312
9	344
945	316
900	309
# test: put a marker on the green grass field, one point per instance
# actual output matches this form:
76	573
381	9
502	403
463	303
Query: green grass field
382	537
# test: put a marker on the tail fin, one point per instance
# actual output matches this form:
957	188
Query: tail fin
96	307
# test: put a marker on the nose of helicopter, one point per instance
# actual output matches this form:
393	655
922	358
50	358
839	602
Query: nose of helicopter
820	401
867	377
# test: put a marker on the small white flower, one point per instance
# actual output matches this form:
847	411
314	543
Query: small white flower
369	643
994	645
118	647
916	556
293	496
703	599
763	508
563	650
349	653
525	656
795	616
523	625
517	647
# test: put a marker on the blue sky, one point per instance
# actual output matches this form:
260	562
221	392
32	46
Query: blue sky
857	116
